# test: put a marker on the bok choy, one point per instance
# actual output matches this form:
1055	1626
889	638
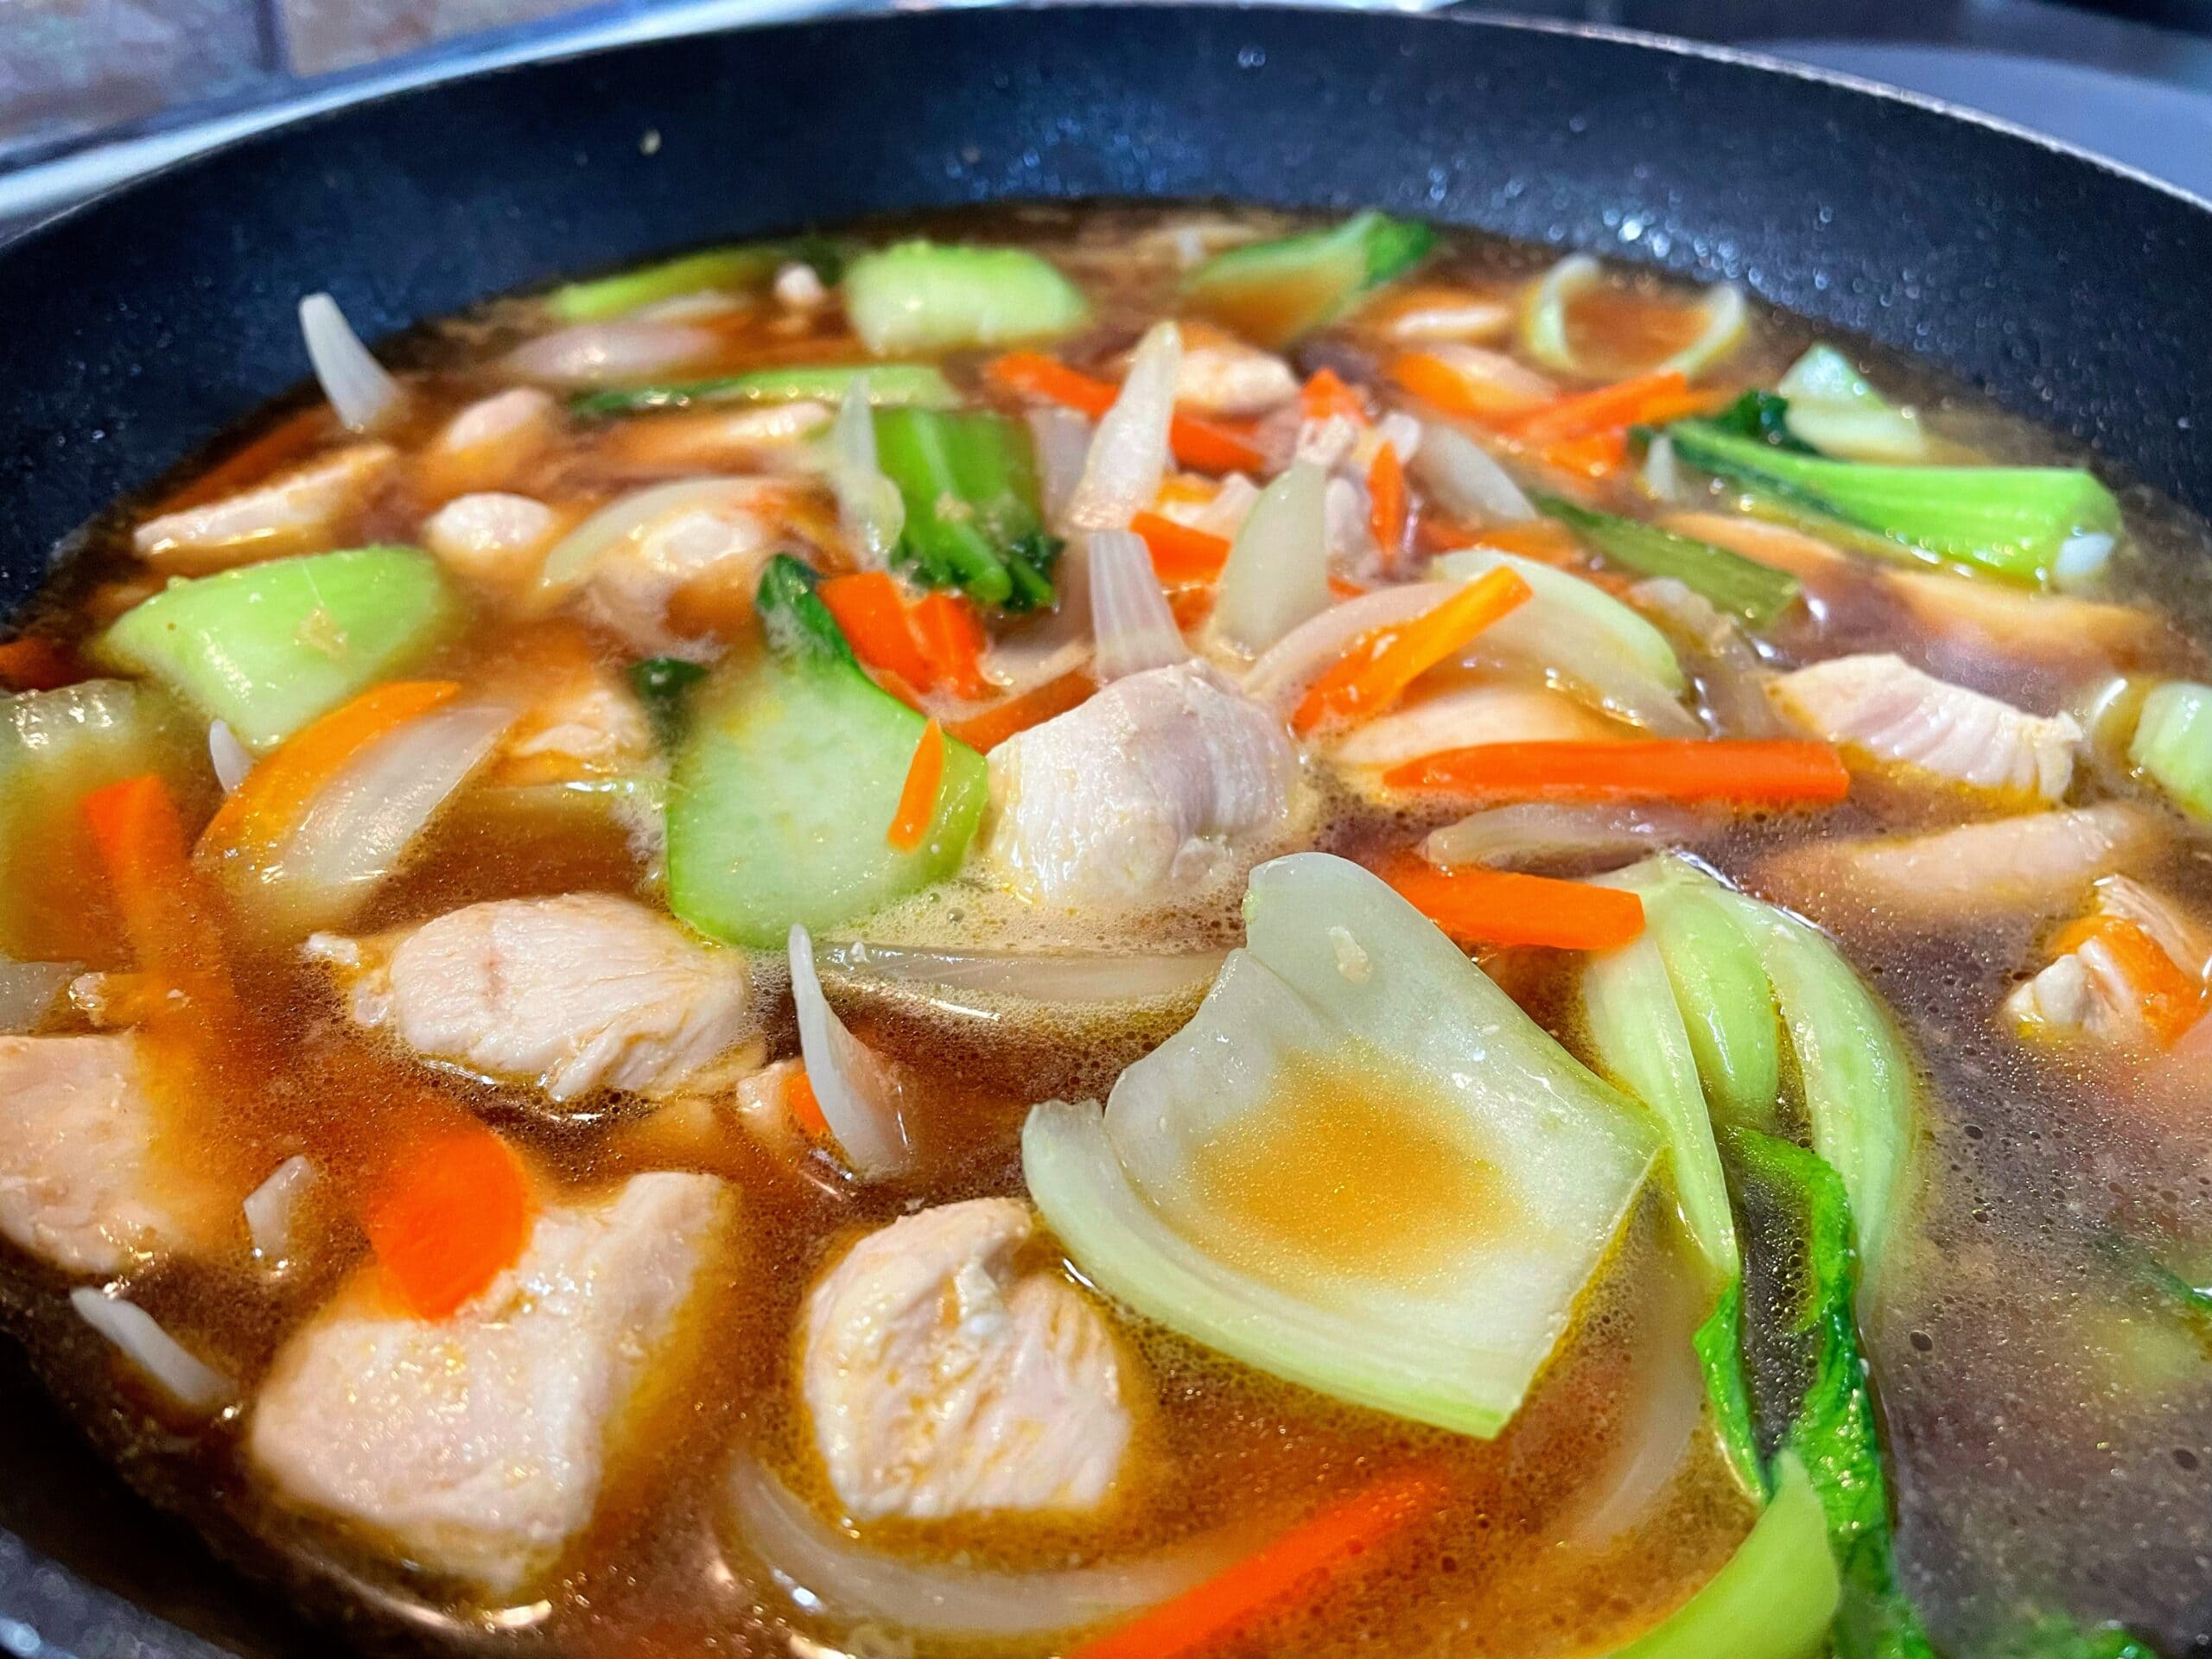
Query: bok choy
1758	593
2172	745
889	384
741	268
1311	1177
1272	292
928	296
1828	406
971	520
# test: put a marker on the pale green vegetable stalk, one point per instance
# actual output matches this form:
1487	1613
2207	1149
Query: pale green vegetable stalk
1277	575
1832	407
926	296
2172	745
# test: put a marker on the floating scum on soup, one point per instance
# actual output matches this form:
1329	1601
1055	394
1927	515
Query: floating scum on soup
1132	933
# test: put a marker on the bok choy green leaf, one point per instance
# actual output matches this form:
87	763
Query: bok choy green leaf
1272	292
1758	593
968	483
728	269
889	384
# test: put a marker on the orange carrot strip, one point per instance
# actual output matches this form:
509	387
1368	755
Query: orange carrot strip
449	1217
138	836
289	442
1433	380
1179	554
1304	1561
1326	394
1387	505
1746	772
918	795
805	1108
1545	540
985	731
268	804
2169	998
1607	409
1499	907
31	663
952	641
1383	662
1211	446
872	612
1594	455
1344	586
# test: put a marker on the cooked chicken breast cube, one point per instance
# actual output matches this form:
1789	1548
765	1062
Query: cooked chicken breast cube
1883	706
83	1184
580	720
298	512
492	540
1141	792
581	992
659	587
478	1445
489	442
1220	375
941	1384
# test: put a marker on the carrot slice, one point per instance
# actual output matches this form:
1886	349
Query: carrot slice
1748	771
449	1217
985	731
1594	455
805	1107
1180	554
1545	540
952	642
1326	394
277	792
918	795
872	613
1433	380
292	440
138	836
1648	397
1387	504
2169	998
31	663
1210	446
1499	907
1383	662
1303	1562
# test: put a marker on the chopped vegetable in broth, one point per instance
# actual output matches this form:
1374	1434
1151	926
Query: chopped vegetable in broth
1117	931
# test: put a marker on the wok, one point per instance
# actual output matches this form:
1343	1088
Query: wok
139	326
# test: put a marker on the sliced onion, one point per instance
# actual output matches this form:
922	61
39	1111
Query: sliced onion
1096	977
824	1571
1724	313
1281	676
1519	837
1467	479
1403	433
1666	1402
271	1208
1662	474
858	1093
1129	615
228	756
1062	440
1733	679
1225	515
360	390
2081	559
1278	571
28	991
574	556
870	509
185	1377
614	353
1560	645
1129	453
1543	314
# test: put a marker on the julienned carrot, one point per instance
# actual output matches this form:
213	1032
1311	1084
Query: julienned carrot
2171	998
952	641
918	795
1180	554
138	836
288	441
1649	399
1747	771
1433	380
871	613
1499	907
985	731
1544	539
1326	394
267	806
449	1215
1210	446
805	1108
1386	500
1304	1561
1594	455
1383	662
33	663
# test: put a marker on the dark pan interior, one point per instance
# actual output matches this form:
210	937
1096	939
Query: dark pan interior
138	327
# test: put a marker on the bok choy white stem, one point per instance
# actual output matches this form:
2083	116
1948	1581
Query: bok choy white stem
360	392
1277	575
858	1093
1128	453
1130	614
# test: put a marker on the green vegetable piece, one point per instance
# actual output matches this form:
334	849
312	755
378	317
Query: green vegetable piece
1722	988
2014	522
1719	1345
271	646
1830	406
927	297
1592	610
969	485
730	270
2172	745
888	384
782	795
1774	1600
1272	292
1834	1432
662	685
1756	593
1763	416
2059	1637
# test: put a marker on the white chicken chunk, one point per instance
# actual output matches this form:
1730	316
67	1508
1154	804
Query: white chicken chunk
83	1183
940	1384
1882	706
639	588
489	442
478	1445
296	512
1220	375
627	351
1140	792
579	721
581	992
492	540
2098	987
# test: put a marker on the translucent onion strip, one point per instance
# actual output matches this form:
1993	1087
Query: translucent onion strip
228	756
574	554
1544	334
1100	978
181	1374
1130	614
1538	834
1467	480
1128	454
272	1208
870	509
1061	439
1281	675
858	1092
360	390
1277	575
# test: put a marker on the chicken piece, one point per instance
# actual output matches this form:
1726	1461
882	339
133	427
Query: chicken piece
690	440
581	992
2036	865
580	720
1423	315
478	1445
661	588
941	1385
494	541
1221	375
1976	621
1141	791
300	511
488	444
2132	970
1468	715
629	352
1883	706
83	1183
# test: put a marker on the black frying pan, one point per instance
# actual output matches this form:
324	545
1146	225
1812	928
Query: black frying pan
135	329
